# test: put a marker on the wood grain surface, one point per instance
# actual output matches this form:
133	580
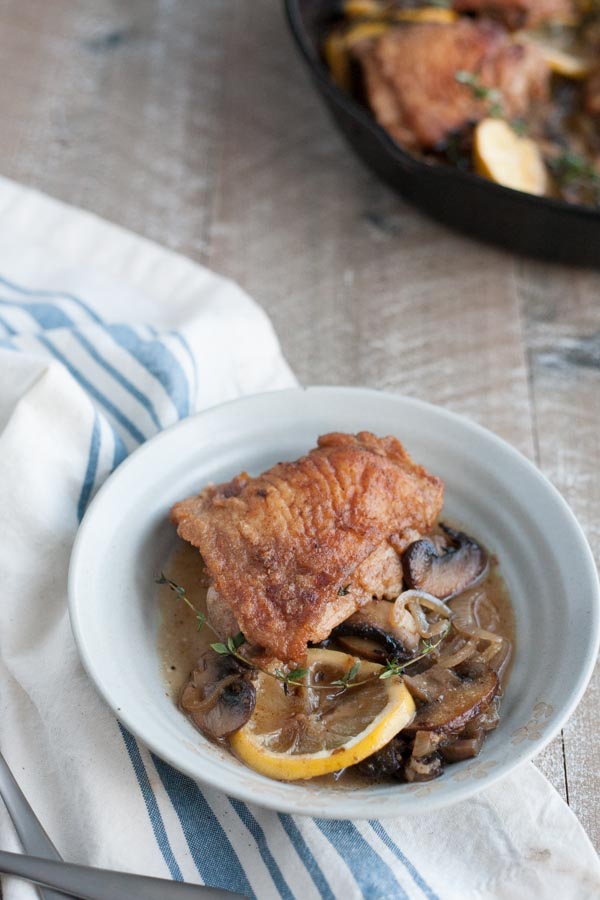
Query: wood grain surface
195	125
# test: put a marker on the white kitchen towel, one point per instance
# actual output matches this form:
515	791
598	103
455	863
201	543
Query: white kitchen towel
105	339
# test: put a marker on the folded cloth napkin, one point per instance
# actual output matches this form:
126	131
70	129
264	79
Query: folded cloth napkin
106	339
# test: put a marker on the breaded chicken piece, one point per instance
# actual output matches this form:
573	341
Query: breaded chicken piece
410	77
379	577
591	95
284	550
519	13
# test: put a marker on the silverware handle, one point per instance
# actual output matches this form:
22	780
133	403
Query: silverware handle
31	833
101	884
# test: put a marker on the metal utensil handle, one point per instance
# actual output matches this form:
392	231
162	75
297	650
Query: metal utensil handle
31	834
102	884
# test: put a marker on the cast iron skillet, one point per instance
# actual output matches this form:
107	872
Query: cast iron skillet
539	226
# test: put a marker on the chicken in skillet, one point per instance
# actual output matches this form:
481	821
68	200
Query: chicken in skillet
410	78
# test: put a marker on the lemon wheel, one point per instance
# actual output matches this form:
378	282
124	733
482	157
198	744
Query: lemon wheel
504	157
311	731
562	57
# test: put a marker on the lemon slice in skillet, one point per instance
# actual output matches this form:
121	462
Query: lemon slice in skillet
438	14
309	731
372	8
504	157
561	54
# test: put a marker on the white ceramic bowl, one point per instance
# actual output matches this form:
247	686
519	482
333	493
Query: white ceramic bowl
499	496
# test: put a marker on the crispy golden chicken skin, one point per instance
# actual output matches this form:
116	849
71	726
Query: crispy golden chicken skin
410	77
283	550
519	13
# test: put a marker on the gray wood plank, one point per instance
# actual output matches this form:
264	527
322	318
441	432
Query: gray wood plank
562	319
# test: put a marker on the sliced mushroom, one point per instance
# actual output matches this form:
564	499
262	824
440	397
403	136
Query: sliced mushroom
219	697
446	571
390	760
426	743
462	748
487	720
452	697
368	633
423	769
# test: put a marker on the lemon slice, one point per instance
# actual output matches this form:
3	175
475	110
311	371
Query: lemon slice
426	14
309	732
567	63
336	57
504	157
364	30
338	44
359	8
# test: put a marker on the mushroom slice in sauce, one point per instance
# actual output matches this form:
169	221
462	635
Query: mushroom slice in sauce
462	748
450	698
417	769
446	571
369	633
219	697
390	760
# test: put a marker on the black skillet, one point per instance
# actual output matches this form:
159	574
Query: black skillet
539	226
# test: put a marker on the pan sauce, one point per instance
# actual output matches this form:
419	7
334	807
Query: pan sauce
180	645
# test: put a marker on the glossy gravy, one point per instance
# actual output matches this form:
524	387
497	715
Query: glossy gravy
180	644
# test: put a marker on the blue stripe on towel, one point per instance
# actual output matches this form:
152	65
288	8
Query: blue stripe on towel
391	845
118	376
373	875
152	355
192	358
127	424
159	361
156	820
305	854
259	836
212	851
50	317
120	451
92	467
45	314
8	328
40	292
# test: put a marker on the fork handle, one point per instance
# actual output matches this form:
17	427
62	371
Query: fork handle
87	883
31	834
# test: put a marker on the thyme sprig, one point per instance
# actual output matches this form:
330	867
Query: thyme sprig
393	668
492	96
573	169
295	677
233	643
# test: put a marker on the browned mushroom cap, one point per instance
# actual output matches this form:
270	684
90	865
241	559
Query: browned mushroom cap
451	697
447	572
219	697
368	634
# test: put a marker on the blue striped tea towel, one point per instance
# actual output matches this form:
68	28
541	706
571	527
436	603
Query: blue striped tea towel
104	340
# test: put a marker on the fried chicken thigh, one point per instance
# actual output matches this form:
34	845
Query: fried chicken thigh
410	77
295	551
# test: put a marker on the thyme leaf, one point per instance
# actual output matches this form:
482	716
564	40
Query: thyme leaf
295	677
573	169
492	96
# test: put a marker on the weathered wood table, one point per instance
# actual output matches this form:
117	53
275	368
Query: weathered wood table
195	125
